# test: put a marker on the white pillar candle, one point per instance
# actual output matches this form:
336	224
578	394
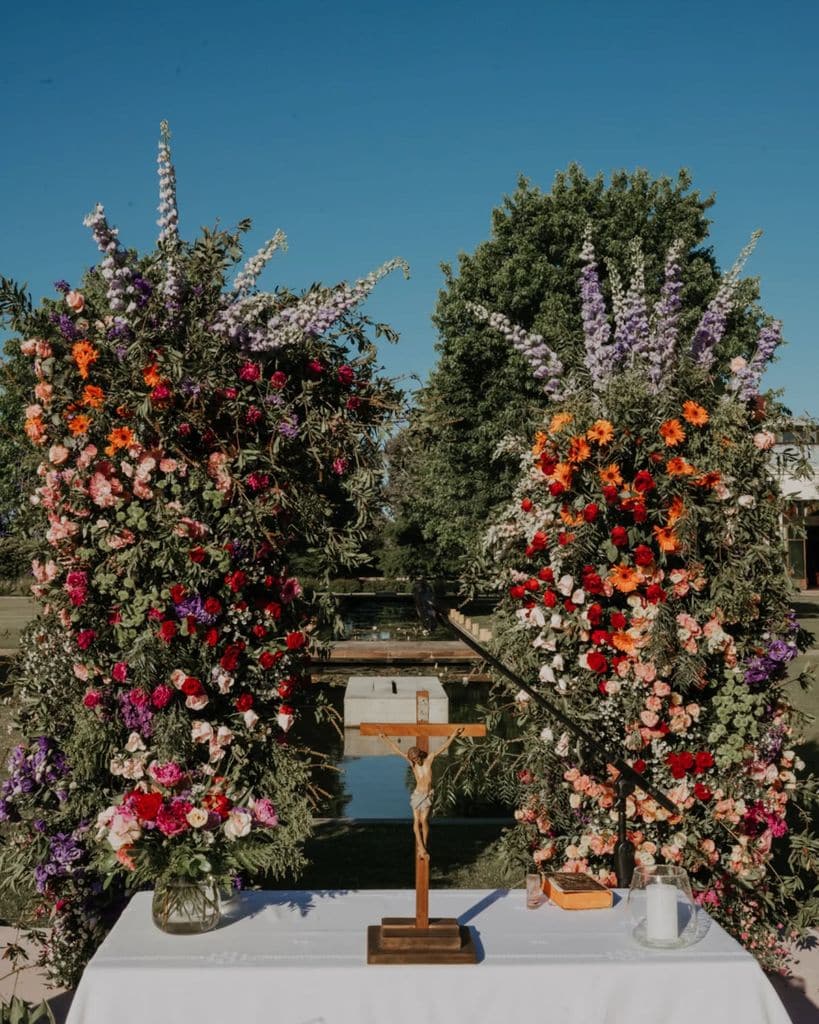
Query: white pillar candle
661	913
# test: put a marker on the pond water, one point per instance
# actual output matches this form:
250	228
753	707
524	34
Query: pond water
380	786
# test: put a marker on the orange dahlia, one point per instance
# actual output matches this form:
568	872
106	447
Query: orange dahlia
675	511
151	375
84	354
695	414
540	443
672	432
120	437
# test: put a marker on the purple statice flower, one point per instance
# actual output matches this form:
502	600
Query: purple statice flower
289	426
62	286
665	317
137	718
114	266
195	606
711	328
248	275
545	363
596	327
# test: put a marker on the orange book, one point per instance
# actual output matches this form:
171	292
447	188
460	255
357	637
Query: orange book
576	891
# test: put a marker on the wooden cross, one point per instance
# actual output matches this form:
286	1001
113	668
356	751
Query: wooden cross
419	940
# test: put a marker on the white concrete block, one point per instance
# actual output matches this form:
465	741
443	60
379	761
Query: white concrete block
392	699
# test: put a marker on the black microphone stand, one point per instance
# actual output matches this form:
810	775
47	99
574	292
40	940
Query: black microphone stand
627	780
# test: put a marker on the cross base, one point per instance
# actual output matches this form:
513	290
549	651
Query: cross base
397	940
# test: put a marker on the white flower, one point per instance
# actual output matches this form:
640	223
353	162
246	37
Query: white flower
522	697
578	596
197	817
546	674
556	621
547	735
562	745
565	585
238	824
737	364
250	717
197	702
134	743
746	501
557	663
284	721
201	732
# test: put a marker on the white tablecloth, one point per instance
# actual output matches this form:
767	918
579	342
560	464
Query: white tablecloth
299	958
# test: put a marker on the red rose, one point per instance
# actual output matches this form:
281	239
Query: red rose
85	638
273	609
146	805
250	371
236	580
617	620
91	698
517	592
315	368
213	606
565	538
703	761
295	641
643	481
655	594
230	393
643	555
702	792
556	489
600	636
619	536
550	599
592	583
167	631
597	662
244	702
546	574
212	637
230	657
353	403
161	696
526	504
639	765
539	541
345	375
569	605
267	659
278	380
547	464
532	584
638	512
259	631
595	613
192	687
218	803
197	554
610	493
285	688
680	763
177	593
590	512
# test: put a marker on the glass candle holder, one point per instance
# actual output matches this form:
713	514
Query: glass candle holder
661	906
534	891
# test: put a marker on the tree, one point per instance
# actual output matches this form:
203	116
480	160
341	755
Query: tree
481	390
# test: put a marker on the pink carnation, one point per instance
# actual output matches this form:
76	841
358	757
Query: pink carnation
161	695
85	638
171	820
92	698
168	774
119	673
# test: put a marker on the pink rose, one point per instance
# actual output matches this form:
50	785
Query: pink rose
764	440
57	454
75	302
265	813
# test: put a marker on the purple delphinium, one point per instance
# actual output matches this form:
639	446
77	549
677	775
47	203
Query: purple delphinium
666	315
114	267
65	325
62	286
631	325
709	331
248	275
746	381
545	363
596	327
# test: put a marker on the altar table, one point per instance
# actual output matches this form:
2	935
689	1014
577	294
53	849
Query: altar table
300	958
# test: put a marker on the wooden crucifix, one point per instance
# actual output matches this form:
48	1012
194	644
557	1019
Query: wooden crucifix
420	940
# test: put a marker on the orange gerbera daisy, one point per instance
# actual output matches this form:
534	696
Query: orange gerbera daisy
695	414
675	511
601	432
666	539
84	354
562	474
569	518
623	642
610	474
672	432
679	467
92	396
625	578
151	375
79	424
120	437
709	479
559	421
579	449
540	443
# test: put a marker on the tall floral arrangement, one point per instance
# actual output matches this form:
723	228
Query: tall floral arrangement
646	590
196	435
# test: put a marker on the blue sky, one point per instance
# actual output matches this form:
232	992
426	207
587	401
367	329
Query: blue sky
367	131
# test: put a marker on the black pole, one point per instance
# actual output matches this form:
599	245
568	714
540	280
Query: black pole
628	779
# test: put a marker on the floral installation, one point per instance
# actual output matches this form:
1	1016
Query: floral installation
197	436
646	589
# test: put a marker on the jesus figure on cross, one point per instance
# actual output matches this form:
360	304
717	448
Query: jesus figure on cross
421	800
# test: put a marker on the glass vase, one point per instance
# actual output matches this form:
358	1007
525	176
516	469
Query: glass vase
186	906
662	907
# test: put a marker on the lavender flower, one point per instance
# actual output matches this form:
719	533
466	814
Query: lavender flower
709	331
596	328
546	364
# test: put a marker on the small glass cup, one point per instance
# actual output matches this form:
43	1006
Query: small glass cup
534	892
662	907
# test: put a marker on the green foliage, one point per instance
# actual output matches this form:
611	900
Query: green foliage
446	473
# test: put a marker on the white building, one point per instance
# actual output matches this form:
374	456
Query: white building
801	522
